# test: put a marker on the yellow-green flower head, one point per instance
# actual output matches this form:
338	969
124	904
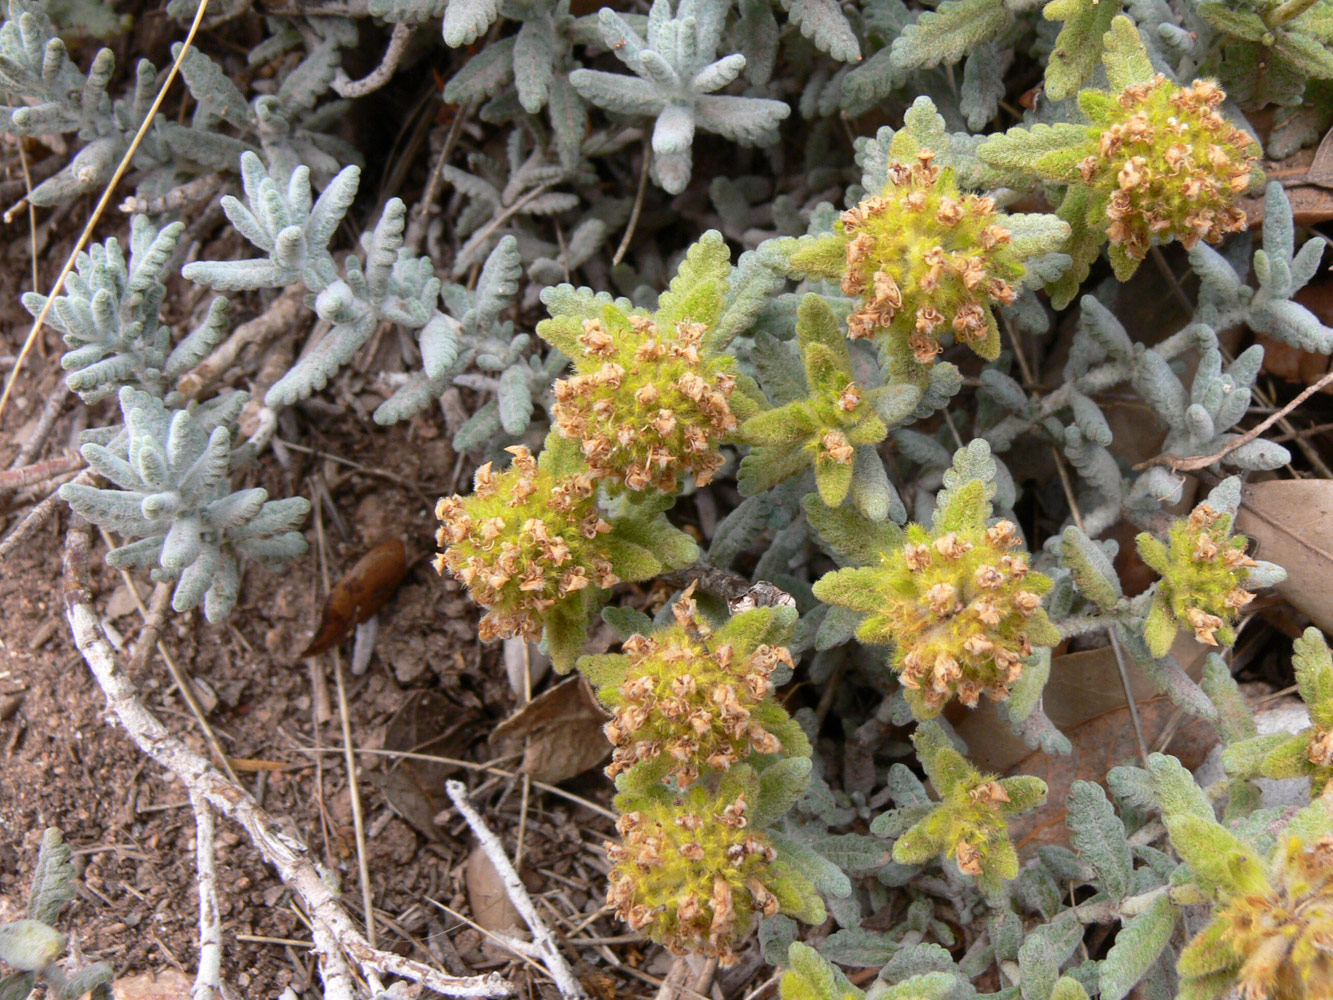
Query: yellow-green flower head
1168	164
1275	943
647	403
692	875
697	697
925	259
523	542
962	608
967	609
1204	570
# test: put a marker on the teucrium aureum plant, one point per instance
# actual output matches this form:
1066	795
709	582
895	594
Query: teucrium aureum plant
874	451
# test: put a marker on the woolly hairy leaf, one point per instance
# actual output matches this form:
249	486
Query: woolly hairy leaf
1043	952
1218	859
699	282
858	947
1091	568
484	75
823	22
949	32
466	20
1176	789
1099	836
822	873
810	977
971	464
983	84
1137	946
1314	674
52	878
780	786
1078	48
1126	59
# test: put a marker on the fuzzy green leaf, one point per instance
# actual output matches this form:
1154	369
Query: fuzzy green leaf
816	323
1231	19
854	587
819	256
833	480
948	33
1137	947
1314	675
1078	47
1091	568
1126	59
52	879
784	425
851	536
1176	790
810	977
695	293
1099	837
780	785
1217	858
1159	630
1017	151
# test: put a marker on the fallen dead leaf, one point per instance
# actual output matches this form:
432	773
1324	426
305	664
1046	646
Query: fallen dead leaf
1083	686
487	898
1310	205
563	729
1291	523
169	984
428	723
361	592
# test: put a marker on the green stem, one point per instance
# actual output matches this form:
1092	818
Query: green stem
1285	12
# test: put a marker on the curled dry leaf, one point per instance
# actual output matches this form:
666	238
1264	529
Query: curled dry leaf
360	593
563	729
1291	523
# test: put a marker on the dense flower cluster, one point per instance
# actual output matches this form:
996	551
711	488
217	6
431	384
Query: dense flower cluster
925	259
692	697
1171	166
1204	570
962	608
648	405
1276	941
522	542
690	873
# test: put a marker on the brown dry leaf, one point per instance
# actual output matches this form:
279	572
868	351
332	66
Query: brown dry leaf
1101	743
563	729
169	984
1083	686
1291	523
1310	205
487	898
1321	167
428	723
361	592
1086	701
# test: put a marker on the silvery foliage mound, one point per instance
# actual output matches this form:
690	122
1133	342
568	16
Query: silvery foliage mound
173	475
52	96
108	316
388	285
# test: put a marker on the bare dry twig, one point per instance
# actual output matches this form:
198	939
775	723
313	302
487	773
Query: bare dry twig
208	979
1178	463
335	932
543	939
